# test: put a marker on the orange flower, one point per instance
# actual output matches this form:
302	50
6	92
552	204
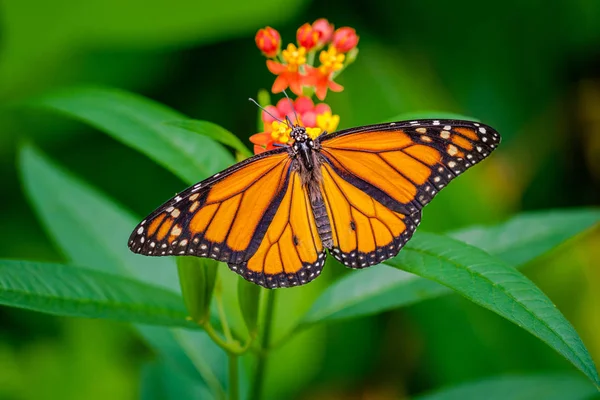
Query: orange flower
262	142
322	78
289	74
322	82
345	39
277	132
307	37
268	41
325	30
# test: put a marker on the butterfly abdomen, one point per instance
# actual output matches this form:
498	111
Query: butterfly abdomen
322	221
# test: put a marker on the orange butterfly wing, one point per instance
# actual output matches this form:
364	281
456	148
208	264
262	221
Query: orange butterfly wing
291	253
255	216
376	180
364	231
223	217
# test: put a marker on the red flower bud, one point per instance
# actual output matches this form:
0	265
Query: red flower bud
325	30
268	41
307	37
345	39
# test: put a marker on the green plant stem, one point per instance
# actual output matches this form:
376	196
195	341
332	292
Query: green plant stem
223	318
233	347
211	381
212	333
234	390
263	353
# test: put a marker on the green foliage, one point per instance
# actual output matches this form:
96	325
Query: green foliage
142	124
214	132
517	241
159	381
497	287
519	387
248	298
529	235
68	208
78	292
478	263
197	277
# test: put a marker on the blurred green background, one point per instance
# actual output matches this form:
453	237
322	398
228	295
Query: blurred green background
531	69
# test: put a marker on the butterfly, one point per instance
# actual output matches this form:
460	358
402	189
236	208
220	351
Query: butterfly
356	193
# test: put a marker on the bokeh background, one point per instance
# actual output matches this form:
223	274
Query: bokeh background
531	69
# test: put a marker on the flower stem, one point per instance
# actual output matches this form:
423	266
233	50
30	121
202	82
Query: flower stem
223	318
234	390
263	353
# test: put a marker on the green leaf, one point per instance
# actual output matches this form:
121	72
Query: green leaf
526	236
379	288
551	386
498	287
197	277
71	291
214	132
140	123
92	231
370	291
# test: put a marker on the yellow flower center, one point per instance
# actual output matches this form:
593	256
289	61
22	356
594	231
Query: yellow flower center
330	60
328	122
313	133
280	132
294	57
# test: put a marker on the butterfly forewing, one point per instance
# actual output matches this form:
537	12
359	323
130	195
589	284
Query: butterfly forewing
404	165
223	217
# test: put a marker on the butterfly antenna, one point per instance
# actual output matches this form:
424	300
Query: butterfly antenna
293	108
265	110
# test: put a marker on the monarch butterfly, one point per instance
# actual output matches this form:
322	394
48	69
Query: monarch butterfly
357	193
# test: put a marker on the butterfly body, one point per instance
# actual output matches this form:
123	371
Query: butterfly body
356	193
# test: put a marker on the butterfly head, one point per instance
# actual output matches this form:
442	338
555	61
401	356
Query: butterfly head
303	145
299	134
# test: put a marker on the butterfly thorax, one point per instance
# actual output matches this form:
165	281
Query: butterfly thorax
307	162
303	146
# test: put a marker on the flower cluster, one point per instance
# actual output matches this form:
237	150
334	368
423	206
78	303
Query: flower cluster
294	65
296	68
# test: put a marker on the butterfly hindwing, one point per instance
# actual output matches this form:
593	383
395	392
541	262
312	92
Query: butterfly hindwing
223	217
364	231
291	252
